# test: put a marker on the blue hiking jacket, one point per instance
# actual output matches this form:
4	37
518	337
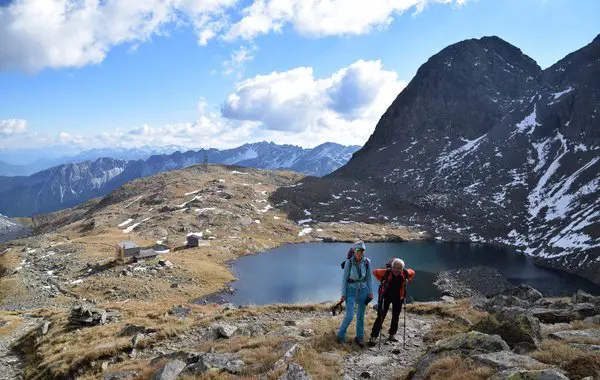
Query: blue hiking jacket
351	271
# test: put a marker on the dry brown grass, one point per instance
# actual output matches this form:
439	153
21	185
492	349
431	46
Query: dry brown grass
556	352
460	308
319	366
444	329
8	324
576	362
581	325
66	352
583	366
456	368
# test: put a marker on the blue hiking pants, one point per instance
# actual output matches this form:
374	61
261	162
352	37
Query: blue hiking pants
351	299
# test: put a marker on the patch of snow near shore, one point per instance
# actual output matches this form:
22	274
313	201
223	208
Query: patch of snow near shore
305	231
133	226
125	223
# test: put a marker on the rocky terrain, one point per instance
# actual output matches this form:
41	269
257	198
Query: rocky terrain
69	309
72	253
517	334
72	183
11	229
482	146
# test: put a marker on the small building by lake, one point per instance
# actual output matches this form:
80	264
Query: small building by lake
193	239
126	250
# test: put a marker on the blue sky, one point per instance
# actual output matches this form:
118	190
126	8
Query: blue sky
219	73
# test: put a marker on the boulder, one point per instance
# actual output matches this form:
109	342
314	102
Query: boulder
180	311
170	371
120	375
44	328
287	357
503	301
212	361
478	302
516	374
250	330
226	331
471	342
462	321
581	297
524	292
586	347
543	302
589	334
137	339
504	360
595	320
131	330
585	310
554	315
513	329
187	357
295	372
83	316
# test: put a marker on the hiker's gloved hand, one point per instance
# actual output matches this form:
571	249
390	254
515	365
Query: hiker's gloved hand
371	295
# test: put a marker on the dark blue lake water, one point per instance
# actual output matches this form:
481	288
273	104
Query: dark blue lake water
311	273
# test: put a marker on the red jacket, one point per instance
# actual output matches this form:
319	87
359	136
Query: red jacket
380	273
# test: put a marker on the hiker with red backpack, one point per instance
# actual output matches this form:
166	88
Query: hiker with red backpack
356	288
392	291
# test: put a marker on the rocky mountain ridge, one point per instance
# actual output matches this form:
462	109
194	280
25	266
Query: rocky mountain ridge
483	146
67	185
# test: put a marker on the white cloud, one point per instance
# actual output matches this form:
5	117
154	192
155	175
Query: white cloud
291	107
239	57
35	34
322	17
296	106
12	127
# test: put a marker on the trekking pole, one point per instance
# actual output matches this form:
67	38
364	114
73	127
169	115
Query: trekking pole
405	295
379	319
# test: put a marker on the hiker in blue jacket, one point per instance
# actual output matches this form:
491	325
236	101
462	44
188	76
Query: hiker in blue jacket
356	288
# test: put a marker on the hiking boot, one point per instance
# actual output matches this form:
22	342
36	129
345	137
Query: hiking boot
373	341
340	340
392	338
360	342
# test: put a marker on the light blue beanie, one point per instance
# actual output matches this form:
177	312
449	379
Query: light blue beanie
359	245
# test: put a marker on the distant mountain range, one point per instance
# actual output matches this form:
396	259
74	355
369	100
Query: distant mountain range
483	146
69	184
14	163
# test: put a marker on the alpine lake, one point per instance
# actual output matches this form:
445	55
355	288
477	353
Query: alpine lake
311	272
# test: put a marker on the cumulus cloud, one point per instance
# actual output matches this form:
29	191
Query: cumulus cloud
289	107
12	127
322	17
345	105
35	34
70	33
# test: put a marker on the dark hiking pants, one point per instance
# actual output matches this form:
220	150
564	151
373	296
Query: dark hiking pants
383	309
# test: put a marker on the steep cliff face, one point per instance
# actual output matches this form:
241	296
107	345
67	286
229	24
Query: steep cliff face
483	145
